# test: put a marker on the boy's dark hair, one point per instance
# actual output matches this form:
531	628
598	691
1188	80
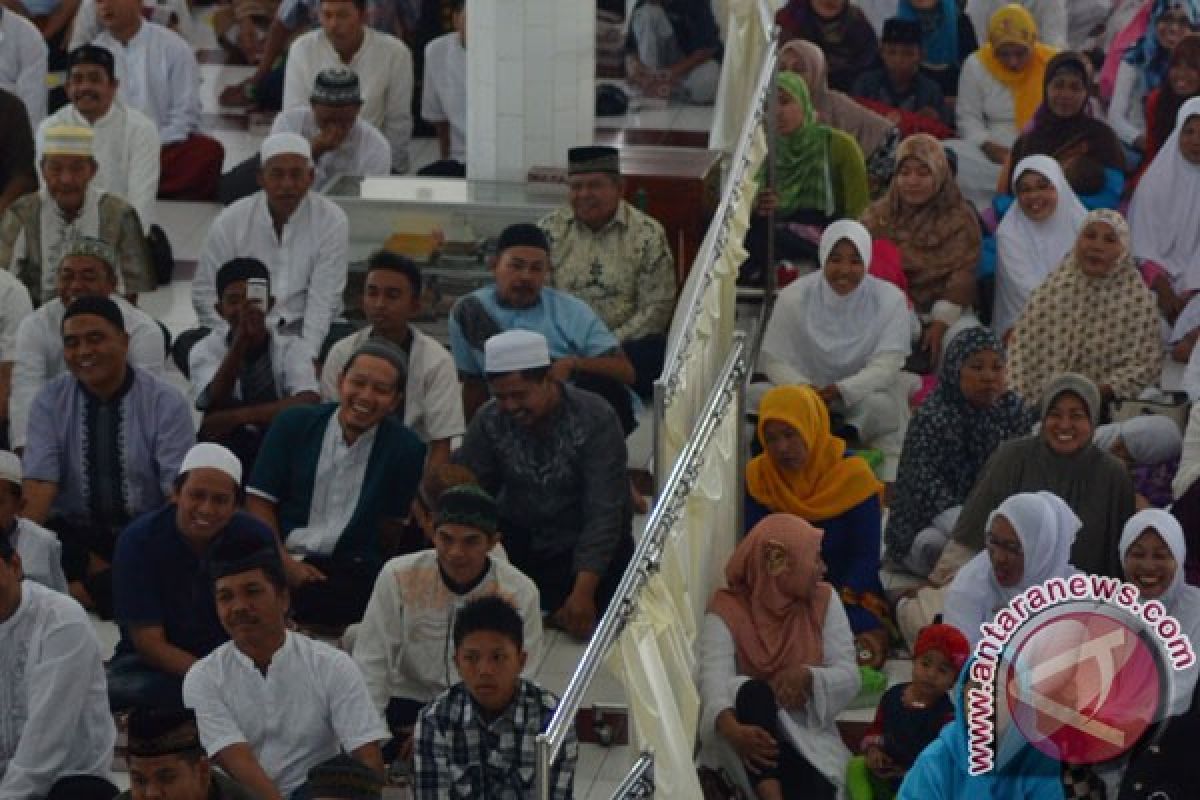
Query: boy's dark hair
361	5
533	374
394	262
490	613
7	548
238	551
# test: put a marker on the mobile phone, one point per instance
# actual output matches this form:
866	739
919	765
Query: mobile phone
256	292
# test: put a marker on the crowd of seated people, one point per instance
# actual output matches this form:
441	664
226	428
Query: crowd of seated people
444	506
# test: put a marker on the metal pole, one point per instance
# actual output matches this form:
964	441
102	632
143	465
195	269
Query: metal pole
640	780
542	745
743	446
770	278
658	419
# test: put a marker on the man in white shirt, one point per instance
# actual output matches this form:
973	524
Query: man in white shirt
242	374
121	136
271	704
402	645
381	61
15	307
159	76
342	142
39	548
301	236
444	96
54	717
432	404
23	63
86	270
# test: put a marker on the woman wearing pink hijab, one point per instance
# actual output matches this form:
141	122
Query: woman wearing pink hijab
777	639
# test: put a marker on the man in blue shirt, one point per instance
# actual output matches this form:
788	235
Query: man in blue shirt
161	586
582	348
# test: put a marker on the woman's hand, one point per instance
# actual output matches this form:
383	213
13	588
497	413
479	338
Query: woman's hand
932	340
793	687
754	746
871	648
881	763
1169	302
996	153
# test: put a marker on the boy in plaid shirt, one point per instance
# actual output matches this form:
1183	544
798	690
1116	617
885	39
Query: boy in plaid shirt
476	740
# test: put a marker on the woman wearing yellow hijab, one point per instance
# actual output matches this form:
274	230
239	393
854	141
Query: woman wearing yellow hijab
1000	89
805	470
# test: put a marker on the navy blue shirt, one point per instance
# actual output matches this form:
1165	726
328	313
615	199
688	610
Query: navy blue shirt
159	580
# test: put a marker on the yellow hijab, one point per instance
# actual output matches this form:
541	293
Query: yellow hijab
829	484
1012	24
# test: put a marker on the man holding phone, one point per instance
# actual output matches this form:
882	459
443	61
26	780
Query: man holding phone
243	374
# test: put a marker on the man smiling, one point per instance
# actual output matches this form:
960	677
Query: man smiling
160	584
334	479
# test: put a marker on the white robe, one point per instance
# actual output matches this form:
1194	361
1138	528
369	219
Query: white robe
984	112
54	717
812	731
1162	213
1027	251
23	63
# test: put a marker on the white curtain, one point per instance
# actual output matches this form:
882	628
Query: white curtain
745	43
654	657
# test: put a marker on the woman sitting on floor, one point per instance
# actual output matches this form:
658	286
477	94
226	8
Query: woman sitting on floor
1094	316
950	438
777	640
938	234
805	470
840	29
846	334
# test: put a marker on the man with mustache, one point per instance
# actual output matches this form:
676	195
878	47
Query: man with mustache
271	704
121	136
300	235
583	349
160	581
432	403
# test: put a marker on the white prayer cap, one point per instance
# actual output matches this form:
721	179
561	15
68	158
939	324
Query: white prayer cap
68	140
212	456
10	467
515	350
278	144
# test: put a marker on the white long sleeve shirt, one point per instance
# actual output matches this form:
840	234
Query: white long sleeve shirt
122	138
38	355
23	63
54	716
984	110
364	151
385	74
444	92
1127	109
159	76
812	730
404	646
310	705
307	263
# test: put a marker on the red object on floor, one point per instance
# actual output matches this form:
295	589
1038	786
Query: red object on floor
191	169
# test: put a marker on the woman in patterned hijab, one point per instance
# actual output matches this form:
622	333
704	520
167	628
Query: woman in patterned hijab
1093	316
949	440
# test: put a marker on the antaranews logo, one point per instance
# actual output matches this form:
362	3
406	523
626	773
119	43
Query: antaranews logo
1082	667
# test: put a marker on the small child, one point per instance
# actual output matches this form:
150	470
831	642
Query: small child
909	716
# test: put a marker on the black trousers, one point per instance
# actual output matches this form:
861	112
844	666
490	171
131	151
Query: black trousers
614	392
647	355
553	574
756	705
341	598
81	541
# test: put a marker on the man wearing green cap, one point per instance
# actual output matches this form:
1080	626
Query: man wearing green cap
402	645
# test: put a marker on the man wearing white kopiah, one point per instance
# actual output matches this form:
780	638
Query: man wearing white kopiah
54	717
846	334
301	236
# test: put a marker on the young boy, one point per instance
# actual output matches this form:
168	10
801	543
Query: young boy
492	713
900	83
39	549
910	716
243	375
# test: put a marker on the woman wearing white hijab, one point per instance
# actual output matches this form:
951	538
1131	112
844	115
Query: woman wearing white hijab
1034	237
845	333
1162	212
1029	540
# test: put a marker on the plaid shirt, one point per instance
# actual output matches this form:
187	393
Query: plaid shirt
459	754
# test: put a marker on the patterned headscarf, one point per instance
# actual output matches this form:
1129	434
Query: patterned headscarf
1013	24
948	442
1147	54
1105	328
775	605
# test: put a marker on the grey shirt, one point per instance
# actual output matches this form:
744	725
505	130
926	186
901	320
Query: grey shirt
564	482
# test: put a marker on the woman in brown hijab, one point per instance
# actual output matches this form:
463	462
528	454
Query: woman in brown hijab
937	233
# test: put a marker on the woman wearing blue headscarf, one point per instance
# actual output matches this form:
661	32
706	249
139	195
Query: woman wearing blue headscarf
947	38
